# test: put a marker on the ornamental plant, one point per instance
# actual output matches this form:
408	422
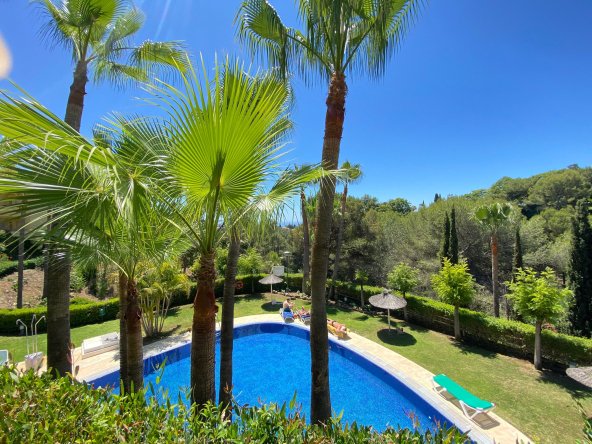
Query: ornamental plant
538	298
454	285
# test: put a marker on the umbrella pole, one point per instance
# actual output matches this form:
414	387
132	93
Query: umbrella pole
388	314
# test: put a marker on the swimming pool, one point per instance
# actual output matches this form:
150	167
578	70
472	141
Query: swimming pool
272	362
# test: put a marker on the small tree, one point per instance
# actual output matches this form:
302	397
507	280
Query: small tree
157	284
453	252
403	278
362	278
251	263
445	249
539	298
454	285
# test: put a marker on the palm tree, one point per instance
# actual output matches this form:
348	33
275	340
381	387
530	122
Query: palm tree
264	210
225	133
493	217
100	204
99	34
339	37
349	174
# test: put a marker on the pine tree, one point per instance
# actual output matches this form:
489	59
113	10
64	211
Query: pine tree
517	261
445	250
580	271
453	238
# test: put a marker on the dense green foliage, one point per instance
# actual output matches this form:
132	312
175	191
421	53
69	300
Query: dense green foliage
39	409
453	252
445	250
454	284
9	267
580	270
403	278
80	314
538	297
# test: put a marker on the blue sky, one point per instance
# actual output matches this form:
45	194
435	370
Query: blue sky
480	89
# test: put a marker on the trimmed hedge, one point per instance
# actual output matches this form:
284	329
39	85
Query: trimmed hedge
9	267
498	334
80	314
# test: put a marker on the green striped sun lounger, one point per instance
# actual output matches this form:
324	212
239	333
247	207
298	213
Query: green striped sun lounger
468	402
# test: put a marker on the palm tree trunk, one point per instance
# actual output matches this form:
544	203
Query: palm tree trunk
320	406
494	275
538	360
203	337
57	288
135	352
21	268
227	327
456	323
306	246
76	98
57	292
339	242
123	359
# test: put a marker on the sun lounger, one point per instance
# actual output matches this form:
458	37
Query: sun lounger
286	314
100	344
468	402
337	329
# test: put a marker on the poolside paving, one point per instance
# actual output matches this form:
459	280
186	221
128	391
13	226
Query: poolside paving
487	428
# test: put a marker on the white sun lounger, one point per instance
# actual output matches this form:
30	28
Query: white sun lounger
100	344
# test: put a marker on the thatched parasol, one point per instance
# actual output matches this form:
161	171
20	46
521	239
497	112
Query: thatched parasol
389	302
270	280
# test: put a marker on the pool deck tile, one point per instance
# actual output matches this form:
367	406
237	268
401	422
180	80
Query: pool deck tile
488	428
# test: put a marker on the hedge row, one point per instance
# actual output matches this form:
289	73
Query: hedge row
80	314
498	334
9	267
492	333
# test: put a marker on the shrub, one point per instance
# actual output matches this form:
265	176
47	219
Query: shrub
41	409
80	314
9	267
502	335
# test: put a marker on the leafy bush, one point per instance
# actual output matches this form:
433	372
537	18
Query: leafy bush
9	267
80	314
499	334
41	409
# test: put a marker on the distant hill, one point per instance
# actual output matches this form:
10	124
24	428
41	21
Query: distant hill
555	189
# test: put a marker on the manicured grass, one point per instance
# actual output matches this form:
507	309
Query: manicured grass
541	404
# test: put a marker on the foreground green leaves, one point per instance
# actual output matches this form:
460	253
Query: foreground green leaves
43	410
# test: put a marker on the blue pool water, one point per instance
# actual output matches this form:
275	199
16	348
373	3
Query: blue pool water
272	362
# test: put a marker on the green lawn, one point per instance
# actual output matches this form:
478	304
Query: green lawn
541	404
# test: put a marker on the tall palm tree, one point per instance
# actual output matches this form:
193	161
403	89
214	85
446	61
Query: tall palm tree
339	37
349	174
225	133
96	196
492	217
264	210
99	34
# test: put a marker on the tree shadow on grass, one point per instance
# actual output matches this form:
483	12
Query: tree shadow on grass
271	308
391	337
575	388
468	349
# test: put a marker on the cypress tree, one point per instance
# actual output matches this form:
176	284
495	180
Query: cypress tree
453	238
517	261
580	271
445	250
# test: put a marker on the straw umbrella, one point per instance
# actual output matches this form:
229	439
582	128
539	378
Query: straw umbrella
270	280
389	302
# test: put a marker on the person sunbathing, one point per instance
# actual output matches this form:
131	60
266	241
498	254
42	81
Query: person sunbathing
288	304
339	327
302	313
